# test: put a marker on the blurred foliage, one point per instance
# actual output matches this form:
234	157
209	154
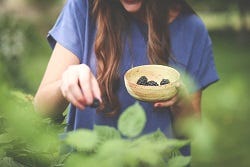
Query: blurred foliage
105	147
227	7
28	140
12	41
25	138
19	40
221	140
222	5
44	4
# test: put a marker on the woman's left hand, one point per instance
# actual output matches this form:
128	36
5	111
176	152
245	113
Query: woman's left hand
181	94
183	103
169	102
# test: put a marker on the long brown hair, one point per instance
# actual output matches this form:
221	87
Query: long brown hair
111	21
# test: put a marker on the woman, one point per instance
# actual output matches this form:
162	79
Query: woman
96	41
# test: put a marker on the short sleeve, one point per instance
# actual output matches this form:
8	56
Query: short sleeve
201	64
70	27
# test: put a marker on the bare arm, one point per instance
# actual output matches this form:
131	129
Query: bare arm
64	81
183	106
190	105
49	99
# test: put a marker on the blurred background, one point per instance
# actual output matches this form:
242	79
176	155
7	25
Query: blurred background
224	137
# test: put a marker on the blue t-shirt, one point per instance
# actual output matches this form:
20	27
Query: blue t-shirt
190	44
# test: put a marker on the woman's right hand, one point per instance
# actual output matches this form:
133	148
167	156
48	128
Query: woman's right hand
79	86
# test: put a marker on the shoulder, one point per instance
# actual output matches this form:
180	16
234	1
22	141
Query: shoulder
190	26
77	10
193	22
78	4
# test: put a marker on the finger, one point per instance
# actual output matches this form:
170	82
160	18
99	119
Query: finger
76	92
86	87
72	92
178	84
74	101
167	103
96	89
67	82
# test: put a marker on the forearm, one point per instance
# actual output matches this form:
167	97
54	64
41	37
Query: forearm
49	100
188	106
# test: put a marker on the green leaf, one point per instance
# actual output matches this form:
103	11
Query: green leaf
5	138
177	144
153	137
9	162
2	153
112	153
159	143
82	140
60	160
81	160
22	96
132	121
179	161
106	133
2	124
147	153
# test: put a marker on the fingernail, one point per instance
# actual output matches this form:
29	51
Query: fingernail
157	105
100	99
81	107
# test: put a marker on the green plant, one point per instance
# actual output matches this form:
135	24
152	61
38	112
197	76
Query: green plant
27	139
124	147
14	38
44	4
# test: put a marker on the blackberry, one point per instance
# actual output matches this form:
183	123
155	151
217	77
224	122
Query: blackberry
152	83
142	80
164	81
95	103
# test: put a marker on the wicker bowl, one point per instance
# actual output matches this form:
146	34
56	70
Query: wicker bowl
155	73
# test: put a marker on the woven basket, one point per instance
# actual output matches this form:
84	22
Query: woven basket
155	73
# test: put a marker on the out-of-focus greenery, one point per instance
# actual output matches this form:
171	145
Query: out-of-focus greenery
27	140
43	4
241	7
23	53
224	138
221	140
105	147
